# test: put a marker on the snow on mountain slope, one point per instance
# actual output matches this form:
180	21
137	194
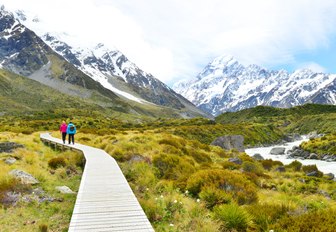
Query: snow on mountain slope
109	67
226	85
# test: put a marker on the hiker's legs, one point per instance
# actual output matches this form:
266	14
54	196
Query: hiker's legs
71	138
63	136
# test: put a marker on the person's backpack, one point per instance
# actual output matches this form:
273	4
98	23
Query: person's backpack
72	128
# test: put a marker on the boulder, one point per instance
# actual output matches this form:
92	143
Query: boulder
64	189
313	173
330	176
236	160
257	156
10	160
9	146
278	151
229	142
313	156
25	177
280	169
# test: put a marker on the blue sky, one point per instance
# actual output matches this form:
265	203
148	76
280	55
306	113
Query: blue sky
174	39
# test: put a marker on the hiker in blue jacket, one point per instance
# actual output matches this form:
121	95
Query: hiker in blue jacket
71	131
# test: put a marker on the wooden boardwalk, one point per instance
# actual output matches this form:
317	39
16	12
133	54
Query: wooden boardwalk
105	201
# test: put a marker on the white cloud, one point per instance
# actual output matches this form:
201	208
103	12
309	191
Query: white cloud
175	39
312	66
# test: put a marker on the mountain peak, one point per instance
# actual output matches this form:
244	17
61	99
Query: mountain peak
226	85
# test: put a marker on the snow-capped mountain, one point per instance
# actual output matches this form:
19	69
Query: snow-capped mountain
226	85
110	68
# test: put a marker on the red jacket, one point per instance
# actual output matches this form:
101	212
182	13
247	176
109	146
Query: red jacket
63	128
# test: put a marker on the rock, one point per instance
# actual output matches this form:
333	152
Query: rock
292	137
257	156
313	173
38	191
229	142
10	198
278	151
313	156
10	160
64	189
9	146
312	135
236	160
280	169
324	193
330	176
25	177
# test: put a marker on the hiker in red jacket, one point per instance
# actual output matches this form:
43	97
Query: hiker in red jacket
63	130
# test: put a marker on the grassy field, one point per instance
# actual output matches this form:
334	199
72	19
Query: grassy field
182	182
29	213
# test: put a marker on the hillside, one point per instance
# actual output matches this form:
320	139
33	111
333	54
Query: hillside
299	119
22	97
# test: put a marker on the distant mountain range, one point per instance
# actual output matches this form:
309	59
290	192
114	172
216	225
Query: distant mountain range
99	73
225	85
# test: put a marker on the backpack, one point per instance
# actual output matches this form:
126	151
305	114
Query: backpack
72	128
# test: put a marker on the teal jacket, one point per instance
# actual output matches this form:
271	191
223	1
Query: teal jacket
71	129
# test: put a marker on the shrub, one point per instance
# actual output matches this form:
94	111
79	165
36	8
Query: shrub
320	220
234	184
266	214
295	165
251	167
172	166
269	163
213	196
311	168
230	165
57	162
233	217
200	156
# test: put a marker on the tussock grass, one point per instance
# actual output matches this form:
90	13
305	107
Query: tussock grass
33	158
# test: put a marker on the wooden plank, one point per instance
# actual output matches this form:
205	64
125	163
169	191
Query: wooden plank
105	201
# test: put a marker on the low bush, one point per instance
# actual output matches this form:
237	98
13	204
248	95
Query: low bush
266	214
172	166
312	168
268	164
235	184
319	220
57	162
213	196
295	165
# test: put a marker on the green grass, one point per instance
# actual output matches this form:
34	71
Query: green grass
182	182
29	216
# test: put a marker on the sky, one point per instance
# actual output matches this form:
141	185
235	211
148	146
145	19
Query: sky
176	39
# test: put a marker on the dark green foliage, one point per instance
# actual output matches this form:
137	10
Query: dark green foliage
266	214
57	162
213	196
311	168
252	167
319	220
269	163
295	165
233	217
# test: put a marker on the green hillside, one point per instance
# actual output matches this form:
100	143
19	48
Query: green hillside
299	119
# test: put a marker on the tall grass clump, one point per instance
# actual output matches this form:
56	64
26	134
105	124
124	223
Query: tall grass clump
234	217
